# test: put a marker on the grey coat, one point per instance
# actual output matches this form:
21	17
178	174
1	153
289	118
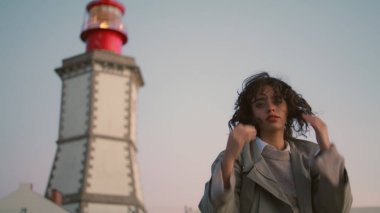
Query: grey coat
321	182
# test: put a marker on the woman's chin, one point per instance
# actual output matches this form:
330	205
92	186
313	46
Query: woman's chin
274	128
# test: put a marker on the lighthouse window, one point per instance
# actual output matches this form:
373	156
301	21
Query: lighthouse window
105	17
106	12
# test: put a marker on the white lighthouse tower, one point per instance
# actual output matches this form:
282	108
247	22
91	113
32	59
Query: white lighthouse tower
95	167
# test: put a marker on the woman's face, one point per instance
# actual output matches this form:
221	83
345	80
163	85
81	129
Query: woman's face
269	111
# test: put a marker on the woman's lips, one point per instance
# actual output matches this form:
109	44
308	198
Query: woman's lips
272	118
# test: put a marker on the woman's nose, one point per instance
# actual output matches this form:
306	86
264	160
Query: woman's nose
271	107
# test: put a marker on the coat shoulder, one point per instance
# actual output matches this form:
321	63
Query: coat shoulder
218	160
305	147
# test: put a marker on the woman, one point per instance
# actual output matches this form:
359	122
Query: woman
264	168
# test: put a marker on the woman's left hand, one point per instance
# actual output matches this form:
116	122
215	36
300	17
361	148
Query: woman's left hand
320	129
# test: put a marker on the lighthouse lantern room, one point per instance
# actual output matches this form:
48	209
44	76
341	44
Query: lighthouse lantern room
103	28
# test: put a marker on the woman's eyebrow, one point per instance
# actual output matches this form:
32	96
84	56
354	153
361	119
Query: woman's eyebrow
254	100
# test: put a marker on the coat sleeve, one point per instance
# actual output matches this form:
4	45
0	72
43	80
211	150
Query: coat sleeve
330	185
215	198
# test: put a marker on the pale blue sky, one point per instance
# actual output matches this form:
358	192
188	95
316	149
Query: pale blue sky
194	56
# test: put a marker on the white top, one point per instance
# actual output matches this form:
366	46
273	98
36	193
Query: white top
261	145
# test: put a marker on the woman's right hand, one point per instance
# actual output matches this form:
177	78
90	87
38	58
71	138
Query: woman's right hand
239	136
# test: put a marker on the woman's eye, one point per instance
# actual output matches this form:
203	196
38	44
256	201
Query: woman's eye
278	100
259	104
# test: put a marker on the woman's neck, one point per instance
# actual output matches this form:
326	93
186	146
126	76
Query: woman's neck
275	139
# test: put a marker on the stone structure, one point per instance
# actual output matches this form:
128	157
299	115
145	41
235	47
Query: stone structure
95	166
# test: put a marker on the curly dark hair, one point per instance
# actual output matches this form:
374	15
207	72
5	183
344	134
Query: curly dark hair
295	103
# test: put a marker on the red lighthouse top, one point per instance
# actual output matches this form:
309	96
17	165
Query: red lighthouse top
103	28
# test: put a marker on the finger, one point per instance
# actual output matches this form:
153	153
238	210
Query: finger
310	118
306	117
248	127
252	134
317	123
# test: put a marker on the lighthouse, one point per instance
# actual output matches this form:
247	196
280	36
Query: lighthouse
95	167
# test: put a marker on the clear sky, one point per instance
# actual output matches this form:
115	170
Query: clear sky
194	56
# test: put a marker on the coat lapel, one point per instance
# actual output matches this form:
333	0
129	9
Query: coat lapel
261	175
302	181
